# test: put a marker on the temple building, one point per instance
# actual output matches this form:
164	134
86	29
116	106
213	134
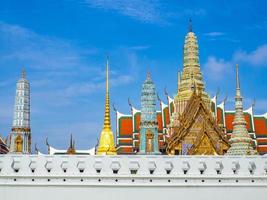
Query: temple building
241	142
20	136
148	123
106	145
190	123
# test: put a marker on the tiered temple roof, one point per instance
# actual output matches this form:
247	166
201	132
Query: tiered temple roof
128	128
190	81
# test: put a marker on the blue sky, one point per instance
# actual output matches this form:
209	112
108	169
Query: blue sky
63	45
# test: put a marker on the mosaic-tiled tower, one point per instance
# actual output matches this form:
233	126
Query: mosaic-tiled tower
241	142
20	137
148	125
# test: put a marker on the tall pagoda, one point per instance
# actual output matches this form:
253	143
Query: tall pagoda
241	142
106	144
20	137
148	125
190	80
193	129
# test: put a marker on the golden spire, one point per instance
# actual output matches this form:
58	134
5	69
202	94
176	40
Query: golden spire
107	125
191	76
71	149
106	144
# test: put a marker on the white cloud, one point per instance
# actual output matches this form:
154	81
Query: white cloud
140	47
216	68
257	57
142	10
62	75
39	51
214	34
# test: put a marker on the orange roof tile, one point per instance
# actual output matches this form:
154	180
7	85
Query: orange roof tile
166	115
229	118
260	126
262	149
159	119
125	126
137	118
219	115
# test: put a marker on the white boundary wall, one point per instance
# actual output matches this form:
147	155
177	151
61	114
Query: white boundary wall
31	177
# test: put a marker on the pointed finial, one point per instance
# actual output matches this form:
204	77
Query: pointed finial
218	92
129	102
165	91
253	103
71	141
73	144
238	91
46	142
107	75
190	28
237	77
225	98
23	73
114	107
36	148
148	74
107	125
158	97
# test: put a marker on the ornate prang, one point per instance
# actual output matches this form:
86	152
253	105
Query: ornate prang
20	137
148	125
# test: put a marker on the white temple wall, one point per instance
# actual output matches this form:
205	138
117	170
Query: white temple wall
132	177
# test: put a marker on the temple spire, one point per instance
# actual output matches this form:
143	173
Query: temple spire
106	144
240	139
71	149
148	122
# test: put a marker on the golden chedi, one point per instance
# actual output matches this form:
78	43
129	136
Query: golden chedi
106	145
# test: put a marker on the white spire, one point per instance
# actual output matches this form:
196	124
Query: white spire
21	130
240	139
